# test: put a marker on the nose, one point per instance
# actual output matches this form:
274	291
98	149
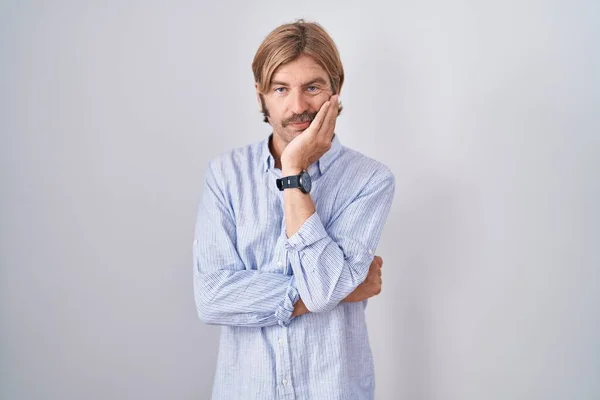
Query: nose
297	103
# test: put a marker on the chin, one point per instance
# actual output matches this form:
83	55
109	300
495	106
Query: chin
293	134
287	135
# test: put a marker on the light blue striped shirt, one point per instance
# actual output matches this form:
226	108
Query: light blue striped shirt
248	274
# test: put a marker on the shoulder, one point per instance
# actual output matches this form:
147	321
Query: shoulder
232	163
364	168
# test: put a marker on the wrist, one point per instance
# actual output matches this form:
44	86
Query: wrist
351	298
299	309
288	170
293	165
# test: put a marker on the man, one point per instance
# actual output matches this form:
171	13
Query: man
286	233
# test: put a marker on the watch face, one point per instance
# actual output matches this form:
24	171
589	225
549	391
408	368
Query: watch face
306	182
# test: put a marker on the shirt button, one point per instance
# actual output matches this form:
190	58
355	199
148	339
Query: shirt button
280	341
279	263
370	251
284	382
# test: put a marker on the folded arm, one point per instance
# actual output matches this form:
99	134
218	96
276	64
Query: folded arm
330	263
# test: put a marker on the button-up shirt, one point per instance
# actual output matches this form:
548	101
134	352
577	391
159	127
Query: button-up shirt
248	274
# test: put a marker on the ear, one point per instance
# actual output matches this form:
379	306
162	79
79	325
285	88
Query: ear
258	97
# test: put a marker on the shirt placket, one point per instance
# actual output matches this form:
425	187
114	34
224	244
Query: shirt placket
285	387
283	250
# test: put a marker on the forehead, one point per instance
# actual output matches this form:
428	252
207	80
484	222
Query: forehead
301	70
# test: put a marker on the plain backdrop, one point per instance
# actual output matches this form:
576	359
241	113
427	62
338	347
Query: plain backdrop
486	112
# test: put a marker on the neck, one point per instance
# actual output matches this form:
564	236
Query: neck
276	146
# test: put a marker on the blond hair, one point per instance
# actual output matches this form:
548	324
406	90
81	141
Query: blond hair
286	43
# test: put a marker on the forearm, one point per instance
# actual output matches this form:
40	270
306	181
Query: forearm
298	206
245	298
354	297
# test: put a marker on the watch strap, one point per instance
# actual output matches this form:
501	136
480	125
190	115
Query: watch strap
292	181
289	182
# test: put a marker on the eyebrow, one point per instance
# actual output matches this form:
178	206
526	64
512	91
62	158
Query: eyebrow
316	80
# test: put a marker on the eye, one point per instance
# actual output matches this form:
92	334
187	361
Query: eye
279	90
312	88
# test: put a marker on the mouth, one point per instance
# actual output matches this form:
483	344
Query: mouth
300	125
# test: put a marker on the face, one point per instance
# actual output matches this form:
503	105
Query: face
297	91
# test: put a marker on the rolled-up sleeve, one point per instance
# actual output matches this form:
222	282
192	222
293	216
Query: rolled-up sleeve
309	233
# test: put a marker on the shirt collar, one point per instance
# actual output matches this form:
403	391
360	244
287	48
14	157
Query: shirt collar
323	163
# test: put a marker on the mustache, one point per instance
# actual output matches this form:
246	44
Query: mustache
299	118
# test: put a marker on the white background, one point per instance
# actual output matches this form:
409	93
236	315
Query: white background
486	112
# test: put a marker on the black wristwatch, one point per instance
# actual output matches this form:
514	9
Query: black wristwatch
301	181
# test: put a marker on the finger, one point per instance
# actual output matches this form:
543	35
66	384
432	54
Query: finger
317	123
329	121
331	118
374	266
378	261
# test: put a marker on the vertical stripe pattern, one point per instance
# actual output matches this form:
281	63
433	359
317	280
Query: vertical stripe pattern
247	274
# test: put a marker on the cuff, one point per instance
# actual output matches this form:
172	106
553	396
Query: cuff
285	310
311	231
